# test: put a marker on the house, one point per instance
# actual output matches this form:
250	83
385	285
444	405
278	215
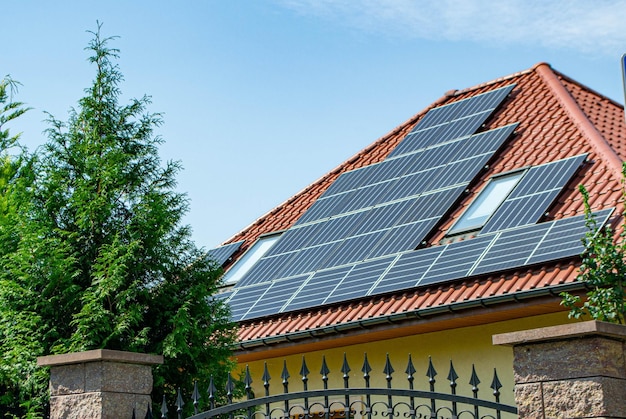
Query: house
461	223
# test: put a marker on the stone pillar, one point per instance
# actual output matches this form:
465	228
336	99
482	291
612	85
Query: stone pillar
576	370
99	384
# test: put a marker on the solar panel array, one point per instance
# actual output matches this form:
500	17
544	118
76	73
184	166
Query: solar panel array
221	254
533	194
387	207
454	120
358	238
492	253
385	217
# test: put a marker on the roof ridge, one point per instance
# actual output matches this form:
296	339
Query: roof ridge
489	83
582	122
585	87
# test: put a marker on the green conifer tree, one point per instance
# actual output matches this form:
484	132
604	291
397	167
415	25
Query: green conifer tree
100	255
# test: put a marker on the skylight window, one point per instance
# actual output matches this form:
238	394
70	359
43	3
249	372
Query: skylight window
252	256
486	203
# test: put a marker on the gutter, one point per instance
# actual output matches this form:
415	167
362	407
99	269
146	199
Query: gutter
343	328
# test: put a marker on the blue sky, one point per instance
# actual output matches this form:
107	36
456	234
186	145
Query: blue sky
261	98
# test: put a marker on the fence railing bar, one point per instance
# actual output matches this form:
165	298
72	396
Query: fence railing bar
410	372
304	373
307	404
355	391
285	377
366	369
474	381
431	373
452	377
324	371
388	371
266	384
496	385
345	369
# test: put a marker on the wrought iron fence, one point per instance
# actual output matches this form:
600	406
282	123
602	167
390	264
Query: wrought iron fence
346	402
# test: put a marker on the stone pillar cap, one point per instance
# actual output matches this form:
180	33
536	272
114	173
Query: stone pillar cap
99	355
565	331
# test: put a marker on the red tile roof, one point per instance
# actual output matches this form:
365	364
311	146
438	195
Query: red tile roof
557	118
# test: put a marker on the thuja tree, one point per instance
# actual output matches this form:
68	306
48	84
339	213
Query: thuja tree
100	255
603	269
18	321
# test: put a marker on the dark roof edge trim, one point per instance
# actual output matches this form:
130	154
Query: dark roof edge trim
517	297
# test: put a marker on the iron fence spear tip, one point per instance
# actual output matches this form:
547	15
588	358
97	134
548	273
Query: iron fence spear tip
367	368
196	394
285	374
496	385
410	369
248	378
474	380
431	373
149	413
179	401
164	408
388	368
266	375
452	375
345	368
304	370
324	371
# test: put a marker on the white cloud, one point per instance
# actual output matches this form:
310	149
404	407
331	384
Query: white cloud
581	25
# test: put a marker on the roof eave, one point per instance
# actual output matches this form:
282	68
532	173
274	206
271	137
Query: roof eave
419	314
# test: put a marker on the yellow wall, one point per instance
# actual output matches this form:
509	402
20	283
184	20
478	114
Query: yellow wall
464	346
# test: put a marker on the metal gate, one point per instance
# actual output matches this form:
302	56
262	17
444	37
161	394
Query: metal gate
350	402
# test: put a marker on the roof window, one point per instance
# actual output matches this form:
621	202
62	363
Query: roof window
252	256
486	203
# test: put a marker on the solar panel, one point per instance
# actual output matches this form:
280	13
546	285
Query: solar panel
398	167
326	207
221	254
353	249
532	196
455	120
455	261
511	249
564	238
537	243
476	104
319	286
367	196
359	280
485	142
266	269
222	296
401	238
348	181
295	238
386	216
273	297
460	128
407	271
310	259
243	298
